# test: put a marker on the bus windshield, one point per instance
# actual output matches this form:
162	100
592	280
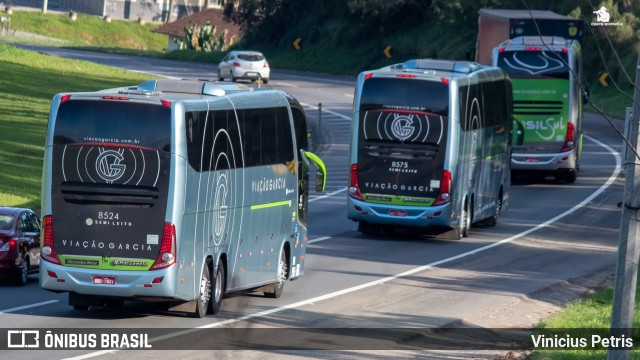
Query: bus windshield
402	138
534	63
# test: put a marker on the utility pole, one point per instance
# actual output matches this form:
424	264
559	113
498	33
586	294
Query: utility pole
624	295
45	5
169	11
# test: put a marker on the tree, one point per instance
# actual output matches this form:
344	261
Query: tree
249	13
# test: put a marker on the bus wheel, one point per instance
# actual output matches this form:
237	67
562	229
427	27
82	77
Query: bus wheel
568	176
80	302
278	286
218	285
493	220
204	294
465	220
368	228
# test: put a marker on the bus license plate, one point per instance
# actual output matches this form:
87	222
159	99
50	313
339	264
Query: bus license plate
397	213
104	280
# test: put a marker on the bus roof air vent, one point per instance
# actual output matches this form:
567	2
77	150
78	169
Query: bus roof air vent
220	88
195	87
465	67
538	40
148	86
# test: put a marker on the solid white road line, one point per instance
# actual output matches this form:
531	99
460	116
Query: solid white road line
319	239
327	111
429	266
27	306
328	195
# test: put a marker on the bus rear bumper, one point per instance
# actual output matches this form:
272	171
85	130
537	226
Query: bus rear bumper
544	162
410	216
128	284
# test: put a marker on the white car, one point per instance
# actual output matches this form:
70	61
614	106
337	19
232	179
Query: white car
250	65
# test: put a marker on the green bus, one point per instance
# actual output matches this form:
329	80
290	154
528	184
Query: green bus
546	75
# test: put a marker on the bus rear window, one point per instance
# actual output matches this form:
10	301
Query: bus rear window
120	123
534	63
405	94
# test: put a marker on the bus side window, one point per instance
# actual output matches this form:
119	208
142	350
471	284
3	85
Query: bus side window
250	137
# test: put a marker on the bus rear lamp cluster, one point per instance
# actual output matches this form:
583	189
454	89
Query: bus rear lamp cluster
569	143
354	190
445	187
167	255
48	251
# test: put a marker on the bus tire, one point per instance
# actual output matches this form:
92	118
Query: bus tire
80	302
567	176
278	286
368	228
217	290
204	294
465	220
493	220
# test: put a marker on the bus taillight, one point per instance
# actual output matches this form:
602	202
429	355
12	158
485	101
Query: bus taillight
445	187
569	142
354	190
167	255
48	252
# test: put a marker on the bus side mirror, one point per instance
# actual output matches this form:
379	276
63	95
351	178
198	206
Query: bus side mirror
321	173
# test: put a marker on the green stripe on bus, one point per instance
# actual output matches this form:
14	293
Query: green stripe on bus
116	263
270	205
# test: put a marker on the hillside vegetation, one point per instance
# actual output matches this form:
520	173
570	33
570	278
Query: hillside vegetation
348	37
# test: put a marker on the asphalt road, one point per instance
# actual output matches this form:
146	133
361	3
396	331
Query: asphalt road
555	242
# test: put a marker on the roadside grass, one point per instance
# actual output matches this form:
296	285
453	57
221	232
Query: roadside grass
89	31
29	80
593	312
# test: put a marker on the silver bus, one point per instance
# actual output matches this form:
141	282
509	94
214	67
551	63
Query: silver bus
430	147
176	191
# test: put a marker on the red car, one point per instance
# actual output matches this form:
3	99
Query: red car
19	243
